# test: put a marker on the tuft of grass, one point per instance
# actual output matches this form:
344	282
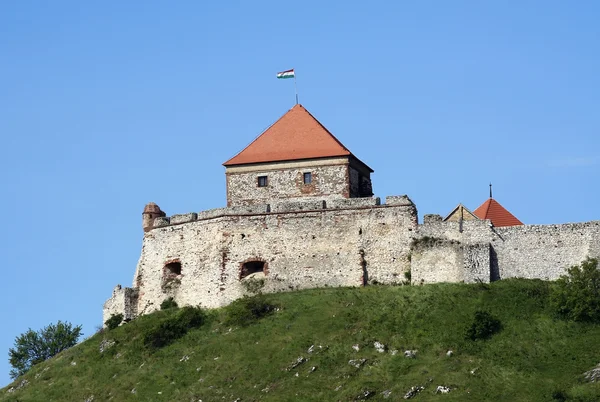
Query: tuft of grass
536	357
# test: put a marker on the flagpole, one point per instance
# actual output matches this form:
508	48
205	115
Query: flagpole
296	87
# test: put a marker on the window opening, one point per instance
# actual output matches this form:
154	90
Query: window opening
172	269
251	267
307	178
262	181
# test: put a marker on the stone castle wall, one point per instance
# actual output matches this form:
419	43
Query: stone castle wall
474	250
315	242
544	251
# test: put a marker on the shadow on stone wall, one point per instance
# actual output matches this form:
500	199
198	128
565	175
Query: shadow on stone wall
494	269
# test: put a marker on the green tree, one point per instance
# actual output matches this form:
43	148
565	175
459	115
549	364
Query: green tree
34	347
576	295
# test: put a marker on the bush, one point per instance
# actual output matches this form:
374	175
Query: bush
114	321
174	327
247	310
483	327
253	286
168	303
559	395
33	347
576	296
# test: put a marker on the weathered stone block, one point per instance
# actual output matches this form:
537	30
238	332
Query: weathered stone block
431	218
249	209
183	218
211	213
398	200
354	202
304	205
162	221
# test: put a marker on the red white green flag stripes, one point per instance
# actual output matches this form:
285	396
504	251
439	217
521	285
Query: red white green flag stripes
286	74
289	74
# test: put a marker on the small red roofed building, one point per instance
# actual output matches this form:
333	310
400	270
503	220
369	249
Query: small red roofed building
295	157
492	210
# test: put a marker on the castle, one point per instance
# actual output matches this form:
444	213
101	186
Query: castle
301	214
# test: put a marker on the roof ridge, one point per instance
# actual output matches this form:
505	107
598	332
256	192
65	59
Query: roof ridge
262	132
324	128
296	135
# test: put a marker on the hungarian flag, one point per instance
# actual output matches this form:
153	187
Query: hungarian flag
286	74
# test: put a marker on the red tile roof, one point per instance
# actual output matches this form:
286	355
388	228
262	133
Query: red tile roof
296	135
495	212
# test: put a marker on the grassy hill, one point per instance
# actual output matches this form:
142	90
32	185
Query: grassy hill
535	357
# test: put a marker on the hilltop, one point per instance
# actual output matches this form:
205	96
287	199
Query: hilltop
320	345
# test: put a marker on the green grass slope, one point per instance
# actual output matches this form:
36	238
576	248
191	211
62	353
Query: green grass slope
535	357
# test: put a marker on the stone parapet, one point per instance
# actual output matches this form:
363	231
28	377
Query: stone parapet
183	218
398	200
431	218
162	221
294	206
354	202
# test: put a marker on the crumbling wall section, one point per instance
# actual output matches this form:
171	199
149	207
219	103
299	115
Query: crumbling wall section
123	301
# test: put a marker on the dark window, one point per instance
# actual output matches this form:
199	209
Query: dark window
252	267
307	178
172	269
262	181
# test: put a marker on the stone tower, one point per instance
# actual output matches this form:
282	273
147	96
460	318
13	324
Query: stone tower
296	157
151	212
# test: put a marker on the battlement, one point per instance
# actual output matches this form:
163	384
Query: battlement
287	206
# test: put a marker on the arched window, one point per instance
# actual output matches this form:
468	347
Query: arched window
251	267
172	269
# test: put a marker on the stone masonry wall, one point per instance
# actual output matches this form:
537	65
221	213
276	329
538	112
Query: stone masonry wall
441	260
438	261
287	182
349	243
528	251
123	301
544	251
320	242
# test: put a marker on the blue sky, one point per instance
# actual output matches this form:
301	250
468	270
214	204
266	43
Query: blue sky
106	106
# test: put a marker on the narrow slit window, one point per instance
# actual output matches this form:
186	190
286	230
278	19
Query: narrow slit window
307	178
262	181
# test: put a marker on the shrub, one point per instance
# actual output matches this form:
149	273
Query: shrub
576	296
252	285
247	310
559	395
114	321
483	327
33	347
168	303
174	327
407	277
